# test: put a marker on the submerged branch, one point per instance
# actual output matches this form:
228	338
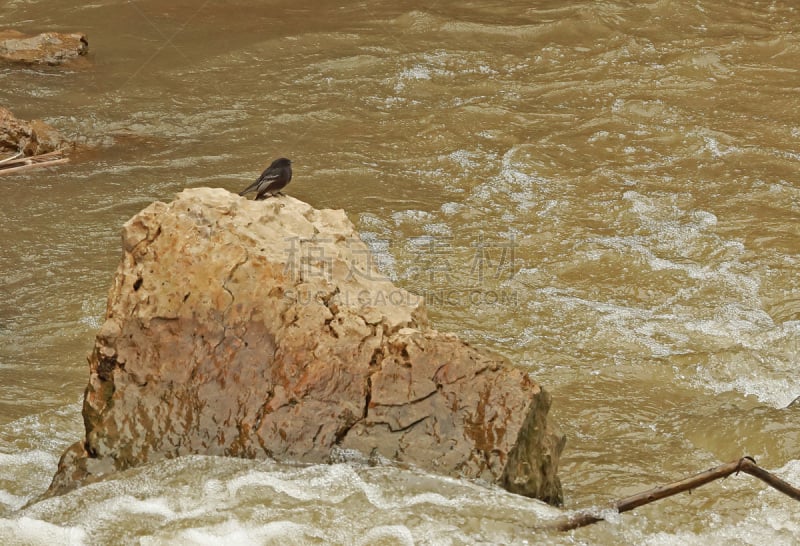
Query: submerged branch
17	163
34	165
745	464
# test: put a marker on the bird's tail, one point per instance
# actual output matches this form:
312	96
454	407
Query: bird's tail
249	188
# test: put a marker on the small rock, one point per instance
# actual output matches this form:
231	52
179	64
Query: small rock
29	137
47	48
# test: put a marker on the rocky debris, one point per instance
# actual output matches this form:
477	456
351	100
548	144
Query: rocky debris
262	329
47	48
29	137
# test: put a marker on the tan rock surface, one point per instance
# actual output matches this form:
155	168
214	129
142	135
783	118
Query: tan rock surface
46	48
29	137
261	329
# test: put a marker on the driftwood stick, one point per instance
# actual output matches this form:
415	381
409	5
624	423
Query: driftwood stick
749	466
33	165
10	162
745	464
17	163
11	158
20	157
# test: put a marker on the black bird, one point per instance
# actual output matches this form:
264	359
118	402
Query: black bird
272	180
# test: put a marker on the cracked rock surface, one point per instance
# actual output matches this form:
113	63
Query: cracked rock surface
261	329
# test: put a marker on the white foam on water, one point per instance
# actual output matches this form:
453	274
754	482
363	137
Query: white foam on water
28	457
749	353
732	321
418	72
11	501
24	474
670	237
47	429
410	215
762	359
92	311
337	481
332	484
466	159
150	507
709	307
33	532
397	534
514	164
202	500
213	510
380	255
241	534
437	228
637	325
450	208
26	471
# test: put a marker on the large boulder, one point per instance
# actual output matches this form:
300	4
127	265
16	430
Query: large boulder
262	329
47	48
29	137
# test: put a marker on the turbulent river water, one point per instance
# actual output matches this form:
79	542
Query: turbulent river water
606	192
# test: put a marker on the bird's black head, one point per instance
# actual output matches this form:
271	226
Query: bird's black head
280	163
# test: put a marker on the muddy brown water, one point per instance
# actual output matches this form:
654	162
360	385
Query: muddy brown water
605	192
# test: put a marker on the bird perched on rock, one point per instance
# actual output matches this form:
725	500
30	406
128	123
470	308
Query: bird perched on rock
272	180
